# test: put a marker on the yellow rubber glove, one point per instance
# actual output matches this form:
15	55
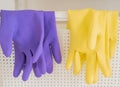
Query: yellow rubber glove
80	28
95	34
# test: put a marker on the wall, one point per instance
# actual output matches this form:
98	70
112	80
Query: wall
72	4
7	4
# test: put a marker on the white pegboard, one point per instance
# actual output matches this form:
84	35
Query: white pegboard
60	76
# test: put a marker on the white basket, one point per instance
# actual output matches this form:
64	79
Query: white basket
60	76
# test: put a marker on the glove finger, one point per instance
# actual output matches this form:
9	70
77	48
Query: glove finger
42	64
48	58
77	64
91	67
55	47
113	31
104	63
69	61
19	62
6	33
28	66
36	70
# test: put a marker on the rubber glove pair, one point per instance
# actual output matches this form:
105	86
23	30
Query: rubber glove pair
90	41
26	29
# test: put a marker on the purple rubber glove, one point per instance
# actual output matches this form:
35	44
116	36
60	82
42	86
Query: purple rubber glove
26	29
51	43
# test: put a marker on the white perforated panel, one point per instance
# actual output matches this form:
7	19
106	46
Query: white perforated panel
60	76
